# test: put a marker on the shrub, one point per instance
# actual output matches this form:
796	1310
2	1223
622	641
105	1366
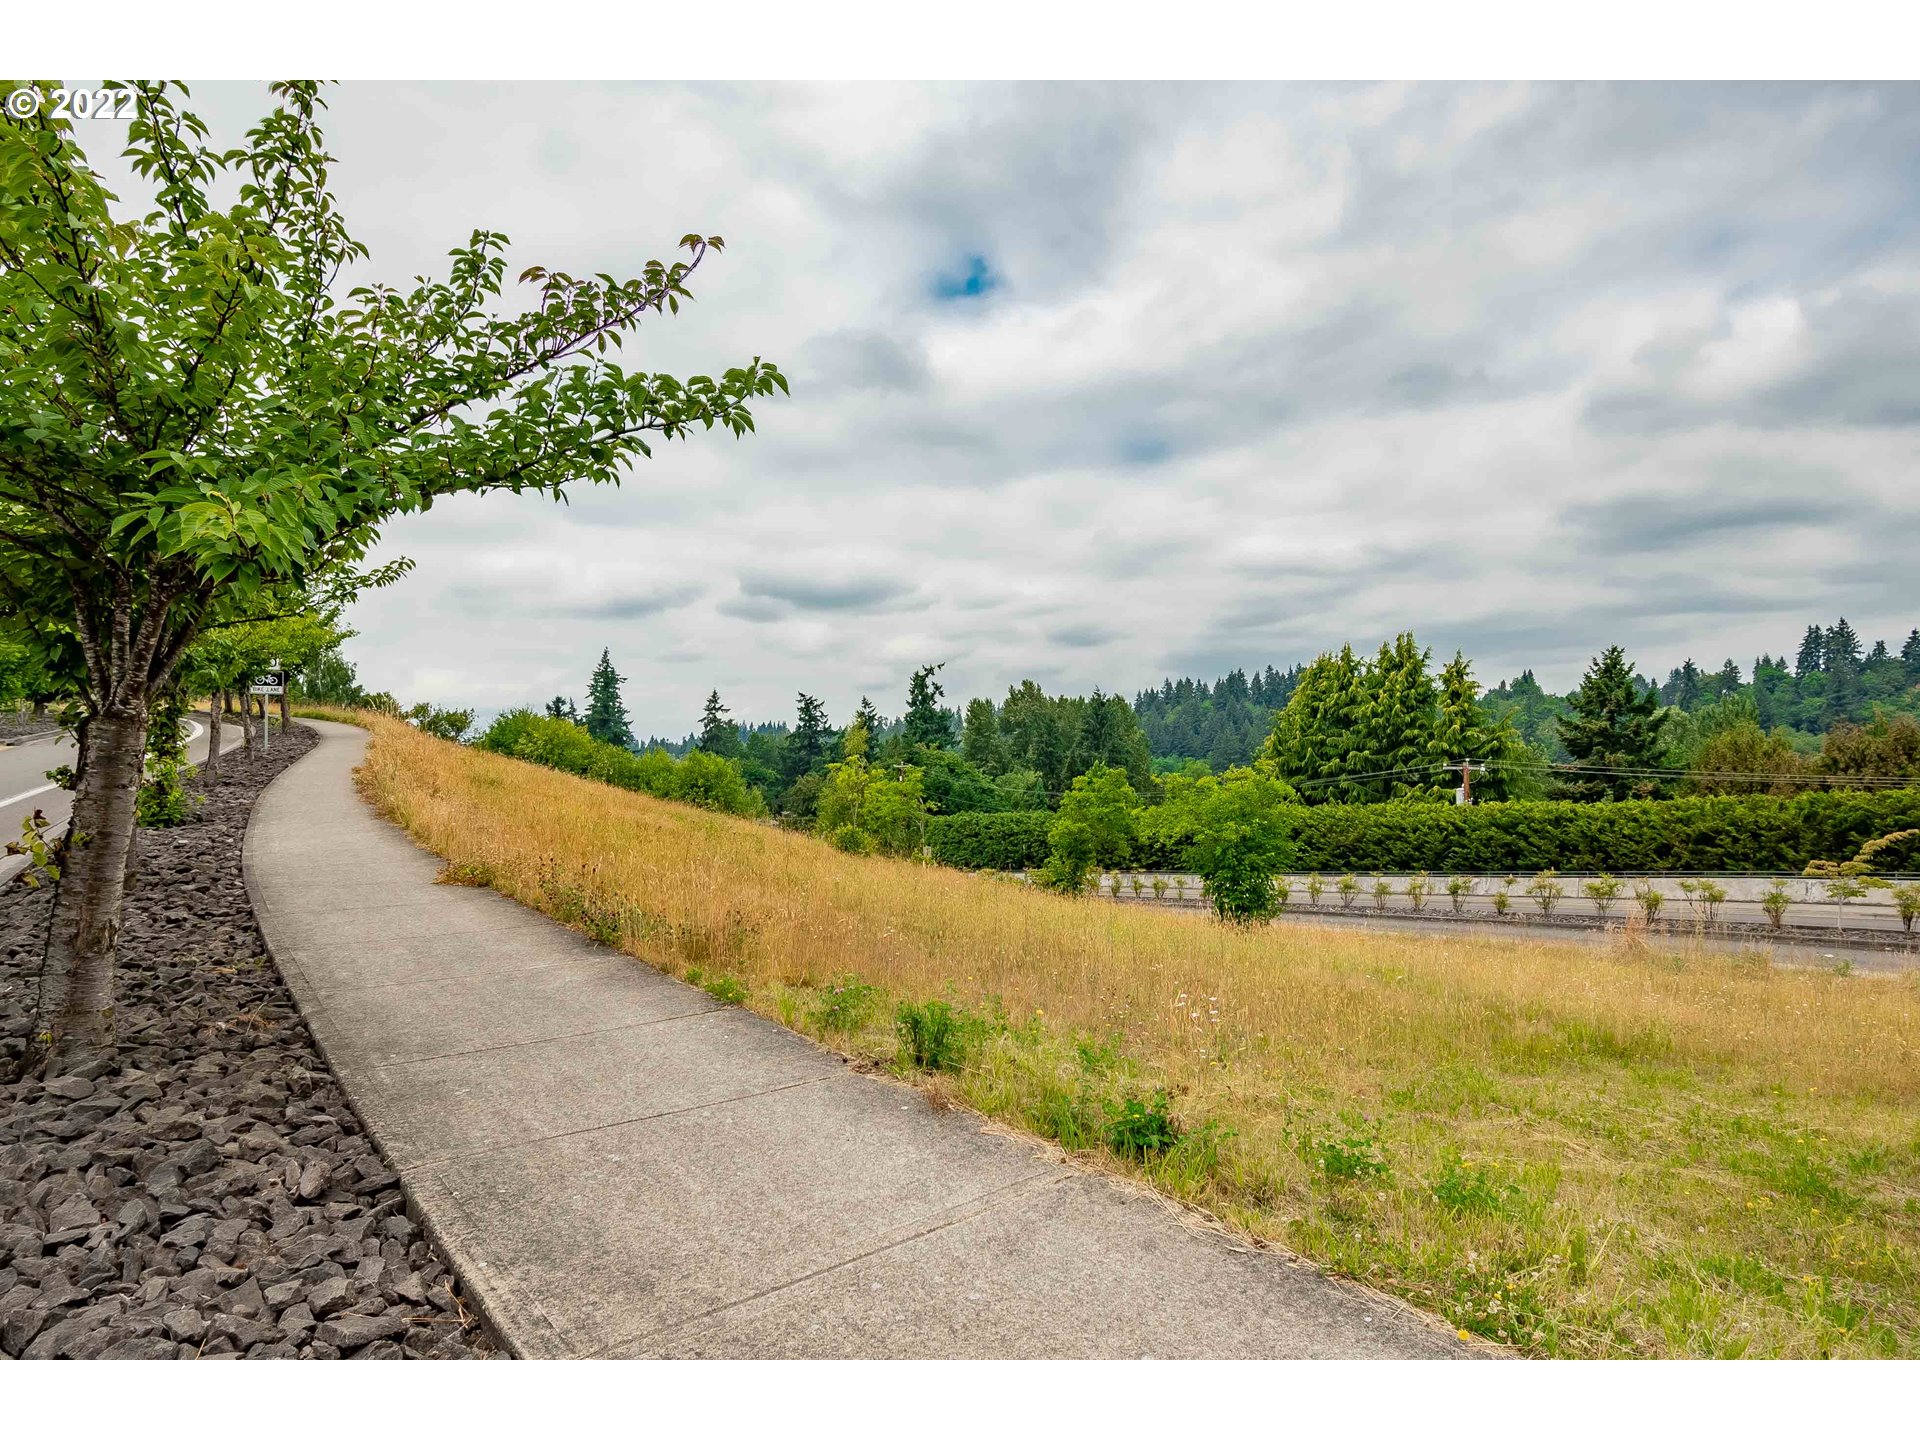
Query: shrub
1603	890
1775	903
1349	888
1705	897
1418	888
1906	900
1648	897
1546	890
1013	840
852	839
1316	887
1240	842
162	798
1458	888
1137	1129
1382	892
709	781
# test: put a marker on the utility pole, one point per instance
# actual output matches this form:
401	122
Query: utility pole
1464	795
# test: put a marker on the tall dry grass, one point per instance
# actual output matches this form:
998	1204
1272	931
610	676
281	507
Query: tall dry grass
1580	1150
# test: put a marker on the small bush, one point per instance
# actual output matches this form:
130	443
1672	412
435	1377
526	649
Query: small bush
1137	1129
1648	897
1546	890
1316	887
845	1004
1603	890
1349	888
1775	903
852	839
934	1036
1459	887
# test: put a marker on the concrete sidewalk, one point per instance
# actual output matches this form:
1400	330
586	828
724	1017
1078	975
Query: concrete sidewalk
620	1167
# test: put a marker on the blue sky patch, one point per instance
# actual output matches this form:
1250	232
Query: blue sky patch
974	277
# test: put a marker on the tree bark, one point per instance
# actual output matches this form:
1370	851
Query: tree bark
213	732
76	980
286	717
246	723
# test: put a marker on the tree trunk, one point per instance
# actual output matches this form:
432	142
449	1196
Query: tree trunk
286	717
76	981
213	732
39	711
246	722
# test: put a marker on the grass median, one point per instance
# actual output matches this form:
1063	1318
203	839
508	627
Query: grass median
1571	1150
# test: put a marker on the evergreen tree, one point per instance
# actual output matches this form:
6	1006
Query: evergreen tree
719	735
809	739
562	708
606	718
1397	722
1910	653
1465	731
1314	739
980	739
1813	653
1842	647
1614	724
926	722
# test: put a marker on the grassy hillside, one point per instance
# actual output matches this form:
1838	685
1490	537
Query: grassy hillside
1572	1150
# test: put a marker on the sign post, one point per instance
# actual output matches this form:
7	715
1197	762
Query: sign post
273	682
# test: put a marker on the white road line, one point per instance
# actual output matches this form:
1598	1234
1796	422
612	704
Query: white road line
26	795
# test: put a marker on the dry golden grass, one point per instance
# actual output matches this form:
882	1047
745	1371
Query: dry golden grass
1574	1150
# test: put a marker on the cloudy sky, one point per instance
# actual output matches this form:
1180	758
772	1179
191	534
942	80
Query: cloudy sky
1097	384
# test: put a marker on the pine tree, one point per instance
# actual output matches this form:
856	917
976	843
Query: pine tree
1910	653
606	717
807	742
1842	645
926	722
1615	725
562	708
719	735
1314	739
980	739
1813	653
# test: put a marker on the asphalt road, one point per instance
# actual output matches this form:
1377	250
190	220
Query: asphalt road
24	786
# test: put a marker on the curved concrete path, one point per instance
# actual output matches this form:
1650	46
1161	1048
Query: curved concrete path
620	1167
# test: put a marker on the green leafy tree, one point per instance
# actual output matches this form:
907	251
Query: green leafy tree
1614	726
606	716
1097	826
927	723
1241	842
719	735
194	416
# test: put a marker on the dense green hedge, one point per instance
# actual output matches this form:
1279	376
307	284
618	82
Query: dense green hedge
709	781
1704	833
1010	840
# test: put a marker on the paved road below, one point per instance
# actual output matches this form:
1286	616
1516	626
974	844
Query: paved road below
24	786
621	1167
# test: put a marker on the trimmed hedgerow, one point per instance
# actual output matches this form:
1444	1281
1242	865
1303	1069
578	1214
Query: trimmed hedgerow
1701	833
1009	840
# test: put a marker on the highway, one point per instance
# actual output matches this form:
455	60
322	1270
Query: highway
24	786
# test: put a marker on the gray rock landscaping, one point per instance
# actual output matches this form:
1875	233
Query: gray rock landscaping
206	1191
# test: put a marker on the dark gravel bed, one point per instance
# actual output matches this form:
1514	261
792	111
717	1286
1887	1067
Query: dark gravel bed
206	1192
16	723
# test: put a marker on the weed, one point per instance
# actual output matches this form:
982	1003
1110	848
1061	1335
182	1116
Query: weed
726	989
465	872
934	1036
1139	1128
1352	1154
845	1004
1466	1188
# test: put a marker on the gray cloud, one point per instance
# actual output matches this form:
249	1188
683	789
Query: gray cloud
806	592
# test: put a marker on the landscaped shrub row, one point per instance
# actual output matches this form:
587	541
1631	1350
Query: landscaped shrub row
1702	833
710	781
1011	840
